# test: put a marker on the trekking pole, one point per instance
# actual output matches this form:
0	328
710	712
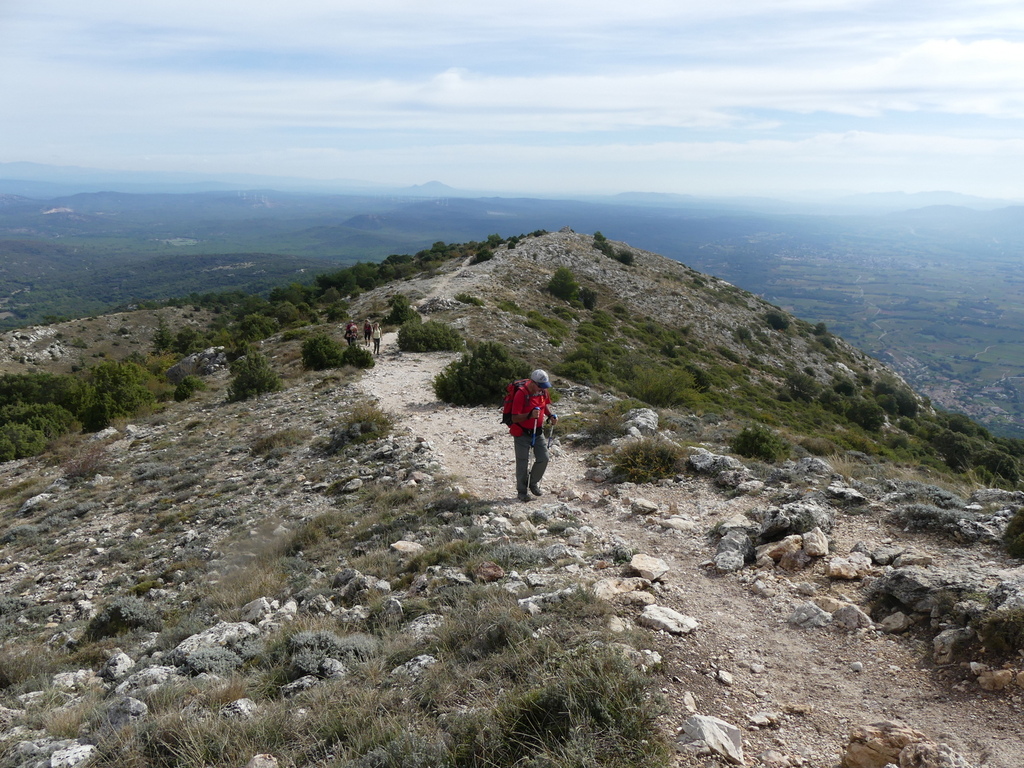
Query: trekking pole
537	423
551	435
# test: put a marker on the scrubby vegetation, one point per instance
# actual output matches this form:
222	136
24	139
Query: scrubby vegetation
480	377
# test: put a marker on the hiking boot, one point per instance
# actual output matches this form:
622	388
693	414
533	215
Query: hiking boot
524	497
535	490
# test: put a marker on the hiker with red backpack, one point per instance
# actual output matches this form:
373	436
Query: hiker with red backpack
527	406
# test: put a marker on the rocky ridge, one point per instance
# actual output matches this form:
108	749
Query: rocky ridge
791	615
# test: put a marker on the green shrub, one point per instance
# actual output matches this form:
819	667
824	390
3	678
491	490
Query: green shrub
660	386
252	376
776	319
1014	536
649	458
759	442
479	378
466	298
364	422
255	327
19	441
188	387
401	310
320	352
588	296
802	386
430	336
357	357
563	285
1002	631
118	389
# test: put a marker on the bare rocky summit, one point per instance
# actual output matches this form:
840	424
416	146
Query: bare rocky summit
339	574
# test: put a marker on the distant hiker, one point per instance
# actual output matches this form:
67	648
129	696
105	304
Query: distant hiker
375	334
367	330
530	405
351	333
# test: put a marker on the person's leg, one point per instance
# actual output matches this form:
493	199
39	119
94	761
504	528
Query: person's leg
522	447
540	463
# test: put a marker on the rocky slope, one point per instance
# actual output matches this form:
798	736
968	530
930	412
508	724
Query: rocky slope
793	604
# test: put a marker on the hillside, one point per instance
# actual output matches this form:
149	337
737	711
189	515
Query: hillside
338	573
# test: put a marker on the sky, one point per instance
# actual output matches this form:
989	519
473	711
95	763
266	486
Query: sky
737	97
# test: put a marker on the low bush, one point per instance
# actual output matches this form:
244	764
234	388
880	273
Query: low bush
649	458
252	376
759	442
278	443
358	357
1002	631
402	310
188	387
320	352
123	614
926	517
479	378
466	298
596	427
1014	536
430	336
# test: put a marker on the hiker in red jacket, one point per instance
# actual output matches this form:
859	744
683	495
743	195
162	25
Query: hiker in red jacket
530	406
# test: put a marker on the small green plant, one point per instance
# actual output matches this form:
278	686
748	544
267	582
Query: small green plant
648	459
466	298
188	387
278	443
1002	631
759	442
1014	536
123	614
253	376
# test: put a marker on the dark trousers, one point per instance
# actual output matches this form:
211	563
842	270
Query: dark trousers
526	476
376	346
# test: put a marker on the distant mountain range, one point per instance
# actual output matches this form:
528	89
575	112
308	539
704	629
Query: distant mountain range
42	181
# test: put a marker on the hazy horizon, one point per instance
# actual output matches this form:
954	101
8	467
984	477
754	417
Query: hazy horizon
774	98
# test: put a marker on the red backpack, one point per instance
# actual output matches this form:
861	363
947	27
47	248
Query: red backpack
510	393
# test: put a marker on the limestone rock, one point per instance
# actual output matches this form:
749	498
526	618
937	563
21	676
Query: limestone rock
606	589
855	565
667	620
407	547
809	615
879	744
648	567
720	737
815	543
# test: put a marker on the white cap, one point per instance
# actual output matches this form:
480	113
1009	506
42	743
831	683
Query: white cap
540	378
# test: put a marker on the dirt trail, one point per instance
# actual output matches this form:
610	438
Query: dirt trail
820	682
